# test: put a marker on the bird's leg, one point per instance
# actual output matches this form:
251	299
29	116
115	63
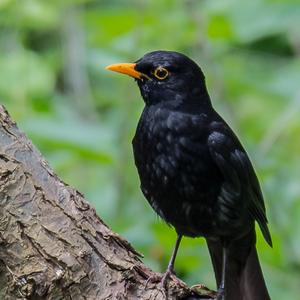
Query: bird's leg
170	268
221	289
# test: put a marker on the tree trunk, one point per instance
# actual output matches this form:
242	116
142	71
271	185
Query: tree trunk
52	243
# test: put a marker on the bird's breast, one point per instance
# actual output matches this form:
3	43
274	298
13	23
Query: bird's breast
173	164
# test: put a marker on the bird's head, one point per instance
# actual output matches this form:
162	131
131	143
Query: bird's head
166	76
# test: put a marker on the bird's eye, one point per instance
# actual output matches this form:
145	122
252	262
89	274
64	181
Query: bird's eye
161	73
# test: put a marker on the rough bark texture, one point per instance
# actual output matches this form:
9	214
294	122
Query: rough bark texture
52	243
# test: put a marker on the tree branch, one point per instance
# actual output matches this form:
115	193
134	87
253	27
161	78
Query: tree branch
52	243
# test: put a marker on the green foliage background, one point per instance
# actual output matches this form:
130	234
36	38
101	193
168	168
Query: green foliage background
82	118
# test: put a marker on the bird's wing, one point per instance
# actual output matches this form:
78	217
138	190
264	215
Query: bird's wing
240	180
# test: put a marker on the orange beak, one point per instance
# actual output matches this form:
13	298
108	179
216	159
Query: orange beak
128	69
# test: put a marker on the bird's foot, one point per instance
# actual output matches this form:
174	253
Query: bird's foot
163	282
169	275
220	295
153	279
163	279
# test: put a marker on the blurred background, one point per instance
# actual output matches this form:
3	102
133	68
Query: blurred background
82	118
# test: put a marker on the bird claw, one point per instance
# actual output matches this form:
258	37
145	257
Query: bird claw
163	282
153	279
163	279
169	274
220	295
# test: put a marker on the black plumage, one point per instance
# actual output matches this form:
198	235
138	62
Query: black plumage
195	173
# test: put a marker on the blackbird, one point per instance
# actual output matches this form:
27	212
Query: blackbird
195	173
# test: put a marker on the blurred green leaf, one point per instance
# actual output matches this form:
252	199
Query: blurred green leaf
94	142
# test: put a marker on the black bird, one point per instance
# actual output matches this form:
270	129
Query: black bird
195	173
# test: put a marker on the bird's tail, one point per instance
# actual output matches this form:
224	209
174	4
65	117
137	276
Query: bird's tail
244	278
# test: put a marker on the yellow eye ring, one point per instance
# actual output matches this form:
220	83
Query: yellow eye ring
161	73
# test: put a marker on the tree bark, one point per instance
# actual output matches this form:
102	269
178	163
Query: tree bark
52	243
